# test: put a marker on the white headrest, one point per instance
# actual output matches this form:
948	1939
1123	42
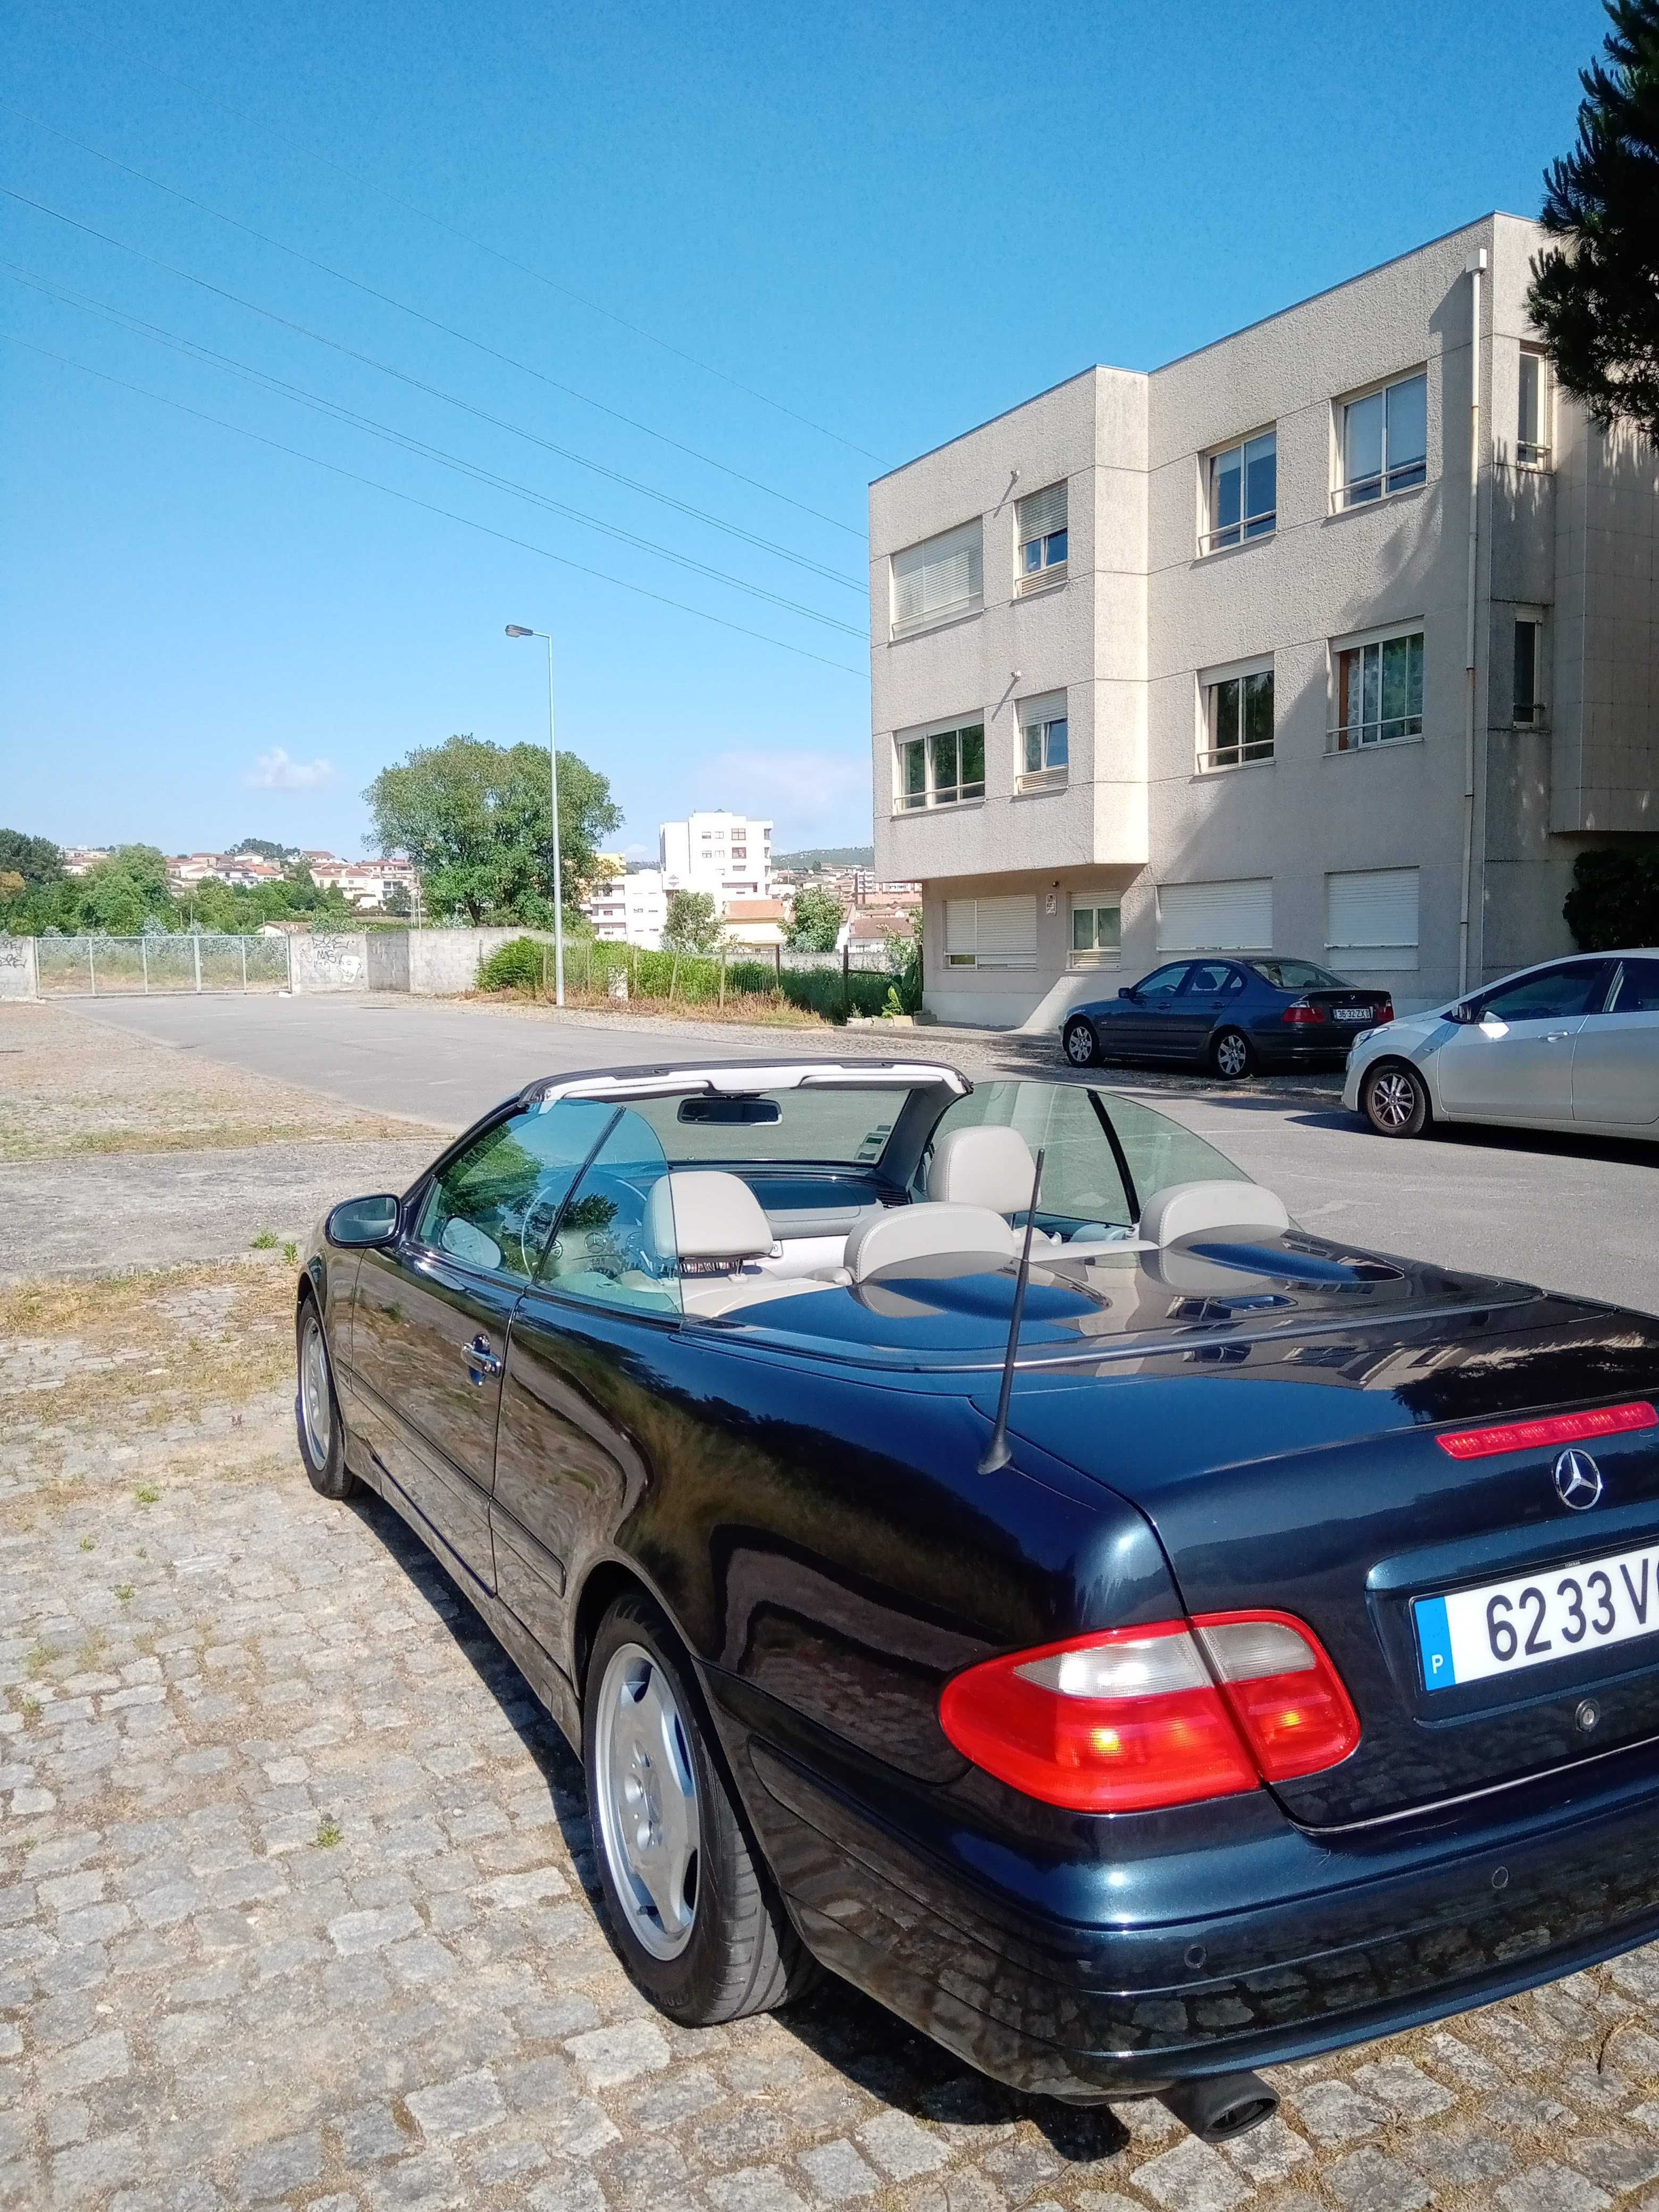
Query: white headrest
702	1213
1185	1209
928	1232
987	1166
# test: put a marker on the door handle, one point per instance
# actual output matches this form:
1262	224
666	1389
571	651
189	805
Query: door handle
481	1357
1556	1036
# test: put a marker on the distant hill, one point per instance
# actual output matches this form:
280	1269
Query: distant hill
827	856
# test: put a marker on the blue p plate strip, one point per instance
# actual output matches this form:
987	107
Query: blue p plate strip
1434	1643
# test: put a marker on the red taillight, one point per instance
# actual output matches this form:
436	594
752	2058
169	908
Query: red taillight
1552	1429
1134	1718
1301	1012
1385	1012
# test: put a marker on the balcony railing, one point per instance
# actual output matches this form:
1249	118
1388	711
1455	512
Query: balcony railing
911	802
1239	755
1530	455
1532	718
1361	491
1238	534
1388	730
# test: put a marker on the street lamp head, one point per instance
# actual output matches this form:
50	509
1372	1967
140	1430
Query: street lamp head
516	630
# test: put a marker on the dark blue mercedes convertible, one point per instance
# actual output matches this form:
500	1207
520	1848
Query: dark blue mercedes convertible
979	1544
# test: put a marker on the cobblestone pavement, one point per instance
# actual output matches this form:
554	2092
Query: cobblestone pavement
296	1909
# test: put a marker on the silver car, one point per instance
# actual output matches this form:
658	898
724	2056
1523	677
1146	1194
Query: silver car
1572	1044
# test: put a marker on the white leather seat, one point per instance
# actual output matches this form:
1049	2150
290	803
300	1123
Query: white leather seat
991	1165
1186	1209
913	1235
703	1214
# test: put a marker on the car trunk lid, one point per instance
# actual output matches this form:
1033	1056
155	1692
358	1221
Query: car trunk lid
1303	1471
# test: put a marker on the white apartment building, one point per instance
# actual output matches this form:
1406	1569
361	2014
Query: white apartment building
1226	656
627	907
728	855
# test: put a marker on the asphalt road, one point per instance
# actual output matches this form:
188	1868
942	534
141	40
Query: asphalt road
1571	1213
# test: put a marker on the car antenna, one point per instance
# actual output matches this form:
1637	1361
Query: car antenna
996	1453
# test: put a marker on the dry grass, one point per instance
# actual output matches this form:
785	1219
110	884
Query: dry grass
747	1009
70	1085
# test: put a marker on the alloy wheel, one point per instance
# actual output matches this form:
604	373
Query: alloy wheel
316	1400
1393	1098
1080	1044
1232	1056
650	1828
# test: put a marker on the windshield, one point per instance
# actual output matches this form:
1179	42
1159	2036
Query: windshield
1298	975
839	1127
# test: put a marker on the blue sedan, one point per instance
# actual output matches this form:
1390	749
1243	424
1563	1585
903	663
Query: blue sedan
1233	1017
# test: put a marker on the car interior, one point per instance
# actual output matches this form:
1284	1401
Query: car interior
717	1206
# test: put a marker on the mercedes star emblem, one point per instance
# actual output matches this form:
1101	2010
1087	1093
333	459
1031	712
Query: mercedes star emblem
1577	1480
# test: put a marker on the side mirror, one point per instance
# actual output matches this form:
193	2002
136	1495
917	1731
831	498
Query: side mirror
1128	991
1465	1013
358	1222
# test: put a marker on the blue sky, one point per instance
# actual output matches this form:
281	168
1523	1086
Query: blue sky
893	221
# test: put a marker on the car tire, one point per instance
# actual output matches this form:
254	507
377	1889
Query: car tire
1230	1056
1394	1099
317	1408
711	1940
1080	1044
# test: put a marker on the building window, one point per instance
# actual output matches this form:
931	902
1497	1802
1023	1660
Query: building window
1379	693
740	852
1042	541
1097	933
1529	708
1384	441
1531	443
1238	719
1370	921
938	580
991	932
1044	743
941	768
1242	493
1227	917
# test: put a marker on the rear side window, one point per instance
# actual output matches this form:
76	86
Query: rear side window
1576	987
1639	988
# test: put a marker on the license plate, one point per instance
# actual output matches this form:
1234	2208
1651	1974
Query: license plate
1503	1628
1352	1013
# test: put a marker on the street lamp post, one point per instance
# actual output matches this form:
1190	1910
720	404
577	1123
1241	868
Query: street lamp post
517	630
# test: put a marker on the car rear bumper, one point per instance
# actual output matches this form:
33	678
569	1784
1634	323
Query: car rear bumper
1394	1929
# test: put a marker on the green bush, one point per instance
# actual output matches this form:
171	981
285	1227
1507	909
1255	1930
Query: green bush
514	966
1615	900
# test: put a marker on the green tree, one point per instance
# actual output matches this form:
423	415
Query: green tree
36	859
815	923
263	848
691	923
398	900
476	820
120	894
1595	296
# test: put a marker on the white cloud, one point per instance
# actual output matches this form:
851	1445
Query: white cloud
813	797
274	771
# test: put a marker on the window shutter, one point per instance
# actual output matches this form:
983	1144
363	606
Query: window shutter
1042	512
961	937
930	579
1048	707
1235	917
1371	919
1007	931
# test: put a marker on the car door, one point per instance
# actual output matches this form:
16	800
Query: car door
601	1318
1515	1063
433	1314
1615	1056
1211	988
1141	1027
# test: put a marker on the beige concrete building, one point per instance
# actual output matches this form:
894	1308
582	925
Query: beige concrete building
1224	656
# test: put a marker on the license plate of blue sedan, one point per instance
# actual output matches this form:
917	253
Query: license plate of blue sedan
1503	1628
1352	1013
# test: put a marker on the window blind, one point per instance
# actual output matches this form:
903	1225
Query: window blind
1048	707
1371	919
1042	512
946	573
992	933
1236	917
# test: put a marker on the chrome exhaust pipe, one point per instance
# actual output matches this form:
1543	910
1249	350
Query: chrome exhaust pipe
1221	2105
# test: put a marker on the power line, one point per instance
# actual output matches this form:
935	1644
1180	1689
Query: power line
337	413
480	246
462	336
437	392
409	499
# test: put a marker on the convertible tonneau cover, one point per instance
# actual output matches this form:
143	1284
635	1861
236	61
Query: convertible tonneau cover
739	1077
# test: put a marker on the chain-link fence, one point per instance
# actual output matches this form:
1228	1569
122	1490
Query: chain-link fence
92	967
